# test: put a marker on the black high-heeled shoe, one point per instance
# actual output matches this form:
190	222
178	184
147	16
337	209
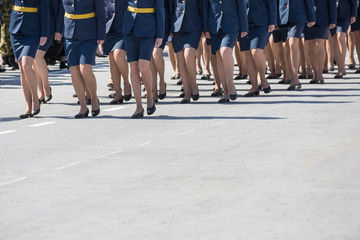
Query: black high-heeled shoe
267	90
138	115
217	92
195	97
162	95
223	100
42	101
94	113
252	94
127	97
151	110
185	101
35	112
233	96
113	102
82	115
48	98
182	94
26	115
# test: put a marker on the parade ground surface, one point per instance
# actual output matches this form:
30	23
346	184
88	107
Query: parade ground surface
282	166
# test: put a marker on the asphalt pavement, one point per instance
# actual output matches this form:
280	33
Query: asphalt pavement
284	165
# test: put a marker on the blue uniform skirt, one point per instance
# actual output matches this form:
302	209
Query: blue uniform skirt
80	51
183	40
139	47
342	25
356	25
277	36
316	32
49	41
24	45
222	39
257	37
113	41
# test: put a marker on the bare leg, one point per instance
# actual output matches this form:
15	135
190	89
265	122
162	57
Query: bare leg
206	54
330	53
351	46
116	77
252	71
153	77
90	82
42	74
26	88
228	61
340	51
184	75
172	57
270	58
357	40
198	55
237	56
120	60
294	59
160	68
215	72
260	64
144	67
79	87
26	63
307	58
136	85
189	55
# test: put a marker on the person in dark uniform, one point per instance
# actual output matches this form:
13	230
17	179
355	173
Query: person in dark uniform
143	28
40	65
84	30
355	28
262	21
186	28
114	46
346	15
29	28
325	11
223	21
294	14
157	62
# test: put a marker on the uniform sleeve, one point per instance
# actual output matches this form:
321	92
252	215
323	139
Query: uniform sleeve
160	18
354	8
171	13
309	5
100	19
244	27
56	8
60	18
206	15
332	11
44	18
272	10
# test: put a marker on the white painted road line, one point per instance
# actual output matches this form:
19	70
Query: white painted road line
7	131
113	109
13	181
277	106
42	124
109	154
219	123
66	166
187	132
143	144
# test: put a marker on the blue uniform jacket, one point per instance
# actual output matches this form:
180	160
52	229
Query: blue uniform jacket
30	23
167	16
53	16
296	11
84	29
229	15
346	9
145	24
186	15
262	12
115	11
325	11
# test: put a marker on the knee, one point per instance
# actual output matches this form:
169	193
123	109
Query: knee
85	69
157	56
143	66
256	52
27	66
226	52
